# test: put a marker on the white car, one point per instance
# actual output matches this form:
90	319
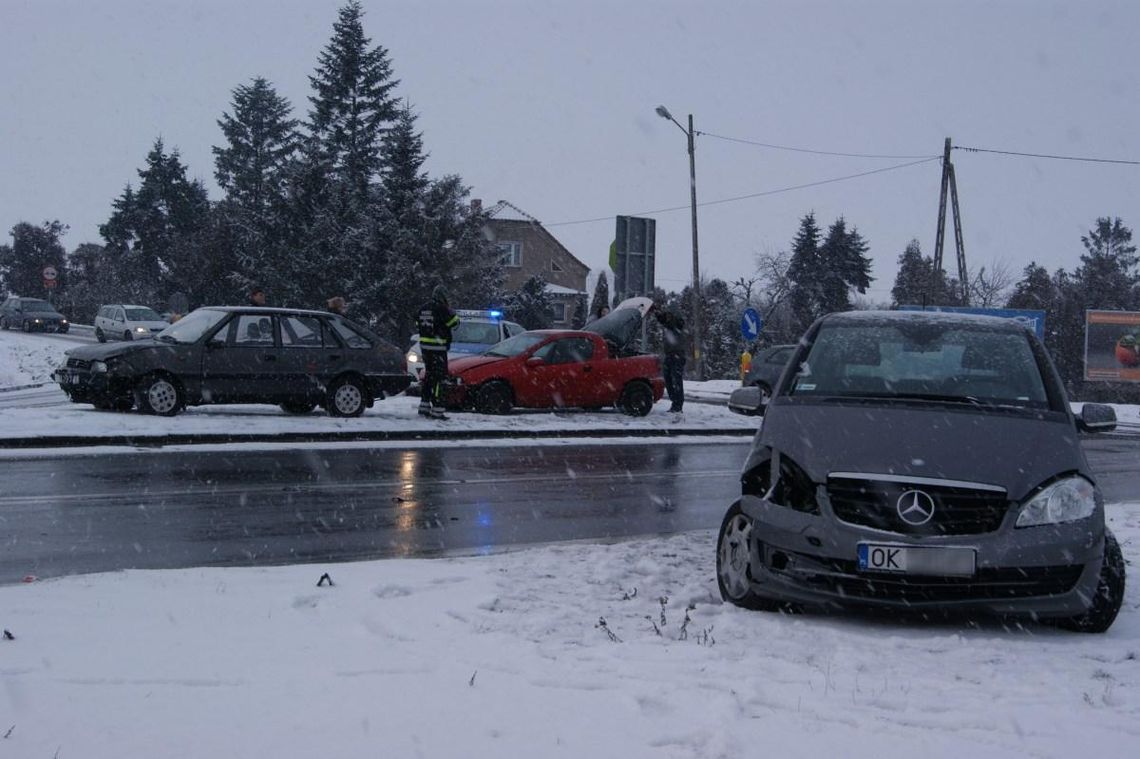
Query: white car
126	322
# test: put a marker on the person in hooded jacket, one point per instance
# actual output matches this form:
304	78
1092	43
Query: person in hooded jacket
673	339
435	322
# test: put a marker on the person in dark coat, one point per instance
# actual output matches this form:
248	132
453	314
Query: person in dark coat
337	305
257	297
435	322
673	339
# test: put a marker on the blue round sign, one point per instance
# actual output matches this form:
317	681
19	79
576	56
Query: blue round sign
750	324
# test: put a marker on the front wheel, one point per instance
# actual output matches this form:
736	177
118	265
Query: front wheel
1109	593
100	336
494	398
159	394
127	335
734	561
636	399
346	397
3	322
27	326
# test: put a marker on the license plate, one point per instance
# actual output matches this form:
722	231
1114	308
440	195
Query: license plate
881	557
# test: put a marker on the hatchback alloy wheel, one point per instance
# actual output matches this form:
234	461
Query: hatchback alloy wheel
734	555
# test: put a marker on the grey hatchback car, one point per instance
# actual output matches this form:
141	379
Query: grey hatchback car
294	358
922	462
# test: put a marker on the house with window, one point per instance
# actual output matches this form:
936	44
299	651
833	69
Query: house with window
528	249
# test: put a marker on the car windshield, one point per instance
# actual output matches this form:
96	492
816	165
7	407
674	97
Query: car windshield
191	327
486	333
142	315
38	306
922	361
513	346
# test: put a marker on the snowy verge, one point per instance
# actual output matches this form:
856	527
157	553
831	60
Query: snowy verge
508	655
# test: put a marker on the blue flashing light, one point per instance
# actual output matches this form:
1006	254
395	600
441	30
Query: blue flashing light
495	314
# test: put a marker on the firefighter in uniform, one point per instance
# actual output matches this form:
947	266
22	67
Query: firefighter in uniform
435	322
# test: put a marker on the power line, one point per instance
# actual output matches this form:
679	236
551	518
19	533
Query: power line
808	150
757	194
1046	155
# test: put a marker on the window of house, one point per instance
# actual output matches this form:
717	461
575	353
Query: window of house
559	310
554	266
510	253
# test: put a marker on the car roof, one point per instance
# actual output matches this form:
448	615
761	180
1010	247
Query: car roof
267	310
946	318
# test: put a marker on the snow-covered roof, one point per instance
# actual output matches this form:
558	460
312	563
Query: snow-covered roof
507	211
560	290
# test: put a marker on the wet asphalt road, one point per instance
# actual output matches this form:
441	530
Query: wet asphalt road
71	513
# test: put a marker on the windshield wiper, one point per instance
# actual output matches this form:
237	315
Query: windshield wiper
933	397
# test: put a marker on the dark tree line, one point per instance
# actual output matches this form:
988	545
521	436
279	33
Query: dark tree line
336	203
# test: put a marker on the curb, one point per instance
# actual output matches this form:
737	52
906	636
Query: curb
159	441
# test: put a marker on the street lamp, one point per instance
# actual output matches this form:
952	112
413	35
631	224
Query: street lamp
663	112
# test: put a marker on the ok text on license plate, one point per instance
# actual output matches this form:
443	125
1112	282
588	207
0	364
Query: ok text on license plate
883	557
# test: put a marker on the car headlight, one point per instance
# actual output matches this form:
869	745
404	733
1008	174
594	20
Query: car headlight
1065	500
140	330
63	321
38	321
413	358
98	366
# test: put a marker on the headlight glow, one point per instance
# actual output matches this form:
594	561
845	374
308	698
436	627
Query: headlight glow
1065	500
140	330
413	358
98	366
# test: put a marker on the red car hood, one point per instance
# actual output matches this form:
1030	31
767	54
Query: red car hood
460	365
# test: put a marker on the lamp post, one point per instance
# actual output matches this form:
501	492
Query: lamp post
663	112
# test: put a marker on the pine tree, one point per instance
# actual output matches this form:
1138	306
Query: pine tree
806	273
1034	291
844	266
260	141
33	248
601	296
918	284
1107	277
530	305
352	102
581	312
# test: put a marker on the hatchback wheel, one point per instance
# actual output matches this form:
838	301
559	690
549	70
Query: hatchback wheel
346	397
100	336
159	394
494	398
27	326
127	335
1109	592
636	399
3	322
734	561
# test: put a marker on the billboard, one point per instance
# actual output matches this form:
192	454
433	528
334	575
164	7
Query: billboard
1031	318
635	244
1112	346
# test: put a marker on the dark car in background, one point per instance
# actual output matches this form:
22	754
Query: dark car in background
767	366
924	462
31	315
297	359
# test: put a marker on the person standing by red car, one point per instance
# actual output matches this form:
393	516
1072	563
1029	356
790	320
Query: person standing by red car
436	320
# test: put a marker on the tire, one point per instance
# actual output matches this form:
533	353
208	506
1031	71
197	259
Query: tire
494	398
636	399
127	335
27	326
100	336
4	323
297	407
159	394
346	397
1109	592
734	562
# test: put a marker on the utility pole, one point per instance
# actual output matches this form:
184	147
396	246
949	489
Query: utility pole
949	182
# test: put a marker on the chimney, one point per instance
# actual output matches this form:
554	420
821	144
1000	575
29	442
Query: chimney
476	205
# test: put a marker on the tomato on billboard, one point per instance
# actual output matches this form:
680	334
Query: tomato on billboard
1112	346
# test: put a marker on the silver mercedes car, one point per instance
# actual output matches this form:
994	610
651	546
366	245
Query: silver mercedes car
927	462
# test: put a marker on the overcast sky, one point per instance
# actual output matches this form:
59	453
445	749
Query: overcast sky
550	105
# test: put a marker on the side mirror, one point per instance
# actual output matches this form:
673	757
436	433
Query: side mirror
749	401
1096	417
534	361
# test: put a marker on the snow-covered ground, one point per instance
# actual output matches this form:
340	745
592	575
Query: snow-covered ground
507	656
619	650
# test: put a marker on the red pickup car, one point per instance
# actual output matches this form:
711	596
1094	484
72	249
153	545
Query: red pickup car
588	368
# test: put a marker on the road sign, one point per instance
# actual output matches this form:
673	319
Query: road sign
750	324
50	274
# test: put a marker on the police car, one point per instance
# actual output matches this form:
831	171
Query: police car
478	330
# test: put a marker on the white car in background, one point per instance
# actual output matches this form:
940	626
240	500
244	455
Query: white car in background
126	322
478	330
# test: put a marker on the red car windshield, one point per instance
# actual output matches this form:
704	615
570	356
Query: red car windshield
513	346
